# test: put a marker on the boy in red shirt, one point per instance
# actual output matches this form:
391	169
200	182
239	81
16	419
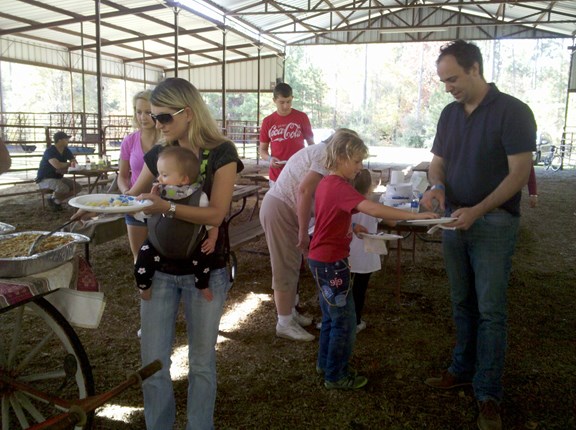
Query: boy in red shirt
283	133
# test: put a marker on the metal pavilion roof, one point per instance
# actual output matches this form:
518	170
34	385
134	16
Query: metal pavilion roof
154	33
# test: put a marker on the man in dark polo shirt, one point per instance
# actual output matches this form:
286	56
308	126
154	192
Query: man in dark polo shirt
55	162
482	159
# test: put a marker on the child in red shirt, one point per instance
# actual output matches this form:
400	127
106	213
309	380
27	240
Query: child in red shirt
283	133
336	201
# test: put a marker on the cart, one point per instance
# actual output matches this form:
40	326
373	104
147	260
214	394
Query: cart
46	379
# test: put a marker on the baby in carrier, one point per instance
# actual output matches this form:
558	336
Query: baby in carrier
174	244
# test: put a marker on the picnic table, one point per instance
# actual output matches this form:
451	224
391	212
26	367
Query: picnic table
95	175
246	231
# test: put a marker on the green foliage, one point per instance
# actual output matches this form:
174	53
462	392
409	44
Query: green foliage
308	85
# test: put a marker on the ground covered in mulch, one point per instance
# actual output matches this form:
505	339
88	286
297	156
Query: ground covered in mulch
270	383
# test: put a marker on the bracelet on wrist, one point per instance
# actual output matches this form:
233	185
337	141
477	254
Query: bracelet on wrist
438	187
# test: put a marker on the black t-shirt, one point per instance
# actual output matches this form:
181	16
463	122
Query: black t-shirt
47	170
222	155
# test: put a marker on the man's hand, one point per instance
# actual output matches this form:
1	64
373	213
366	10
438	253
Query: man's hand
275	163
466	217
433	200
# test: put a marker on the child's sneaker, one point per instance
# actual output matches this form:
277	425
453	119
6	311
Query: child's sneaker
350	382
360	326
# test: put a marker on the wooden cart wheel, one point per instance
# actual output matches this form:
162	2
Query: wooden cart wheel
41	362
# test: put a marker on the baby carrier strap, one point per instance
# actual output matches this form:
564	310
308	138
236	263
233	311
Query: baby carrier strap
174	238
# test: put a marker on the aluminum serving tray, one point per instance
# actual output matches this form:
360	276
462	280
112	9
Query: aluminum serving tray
6	228
24	266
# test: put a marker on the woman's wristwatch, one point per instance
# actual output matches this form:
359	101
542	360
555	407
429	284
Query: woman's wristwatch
171	211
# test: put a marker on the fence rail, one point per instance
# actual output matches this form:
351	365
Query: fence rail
28	134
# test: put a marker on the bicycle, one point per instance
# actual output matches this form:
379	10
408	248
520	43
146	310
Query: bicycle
553	160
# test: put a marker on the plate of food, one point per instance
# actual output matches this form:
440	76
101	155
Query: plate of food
380	236
435	221
109	203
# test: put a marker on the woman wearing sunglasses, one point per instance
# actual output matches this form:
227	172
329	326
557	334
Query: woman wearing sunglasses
184	119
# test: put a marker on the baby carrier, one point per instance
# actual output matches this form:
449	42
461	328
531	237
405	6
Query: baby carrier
174	238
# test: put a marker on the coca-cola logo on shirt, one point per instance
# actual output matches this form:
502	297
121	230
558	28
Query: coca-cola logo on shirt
285	132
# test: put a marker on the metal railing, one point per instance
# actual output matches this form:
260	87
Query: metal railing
28	134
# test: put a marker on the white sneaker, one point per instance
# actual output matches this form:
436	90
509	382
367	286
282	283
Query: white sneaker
301	319
319	325
293	332
360	326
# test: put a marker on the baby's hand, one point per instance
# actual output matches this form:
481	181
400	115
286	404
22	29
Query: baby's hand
208	246
146	294
207	294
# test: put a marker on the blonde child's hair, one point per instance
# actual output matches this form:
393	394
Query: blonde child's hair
363	182
344	144
187	163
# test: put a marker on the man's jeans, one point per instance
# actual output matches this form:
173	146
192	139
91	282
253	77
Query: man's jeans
338	331
158	326
478	262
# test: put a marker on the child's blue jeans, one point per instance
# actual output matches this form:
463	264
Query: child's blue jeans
338	332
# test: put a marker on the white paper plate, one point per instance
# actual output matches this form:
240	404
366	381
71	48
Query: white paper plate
430	221
109	203
381	236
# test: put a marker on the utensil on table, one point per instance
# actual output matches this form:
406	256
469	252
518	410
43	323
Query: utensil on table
43	236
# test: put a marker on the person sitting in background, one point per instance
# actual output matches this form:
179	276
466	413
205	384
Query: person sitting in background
55	162
5	160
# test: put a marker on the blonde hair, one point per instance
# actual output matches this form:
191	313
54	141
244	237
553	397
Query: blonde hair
187	163
344	144
140	95
178	93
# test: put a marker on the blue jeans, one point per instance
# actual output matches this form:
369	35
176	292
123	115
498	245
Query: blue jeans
478	263
338	332
158	317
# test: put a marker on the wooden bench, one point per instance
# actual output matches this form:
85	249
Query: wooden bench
246	232
239	235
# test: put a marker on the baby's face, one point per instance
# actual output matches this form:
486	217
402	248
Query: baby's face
168	173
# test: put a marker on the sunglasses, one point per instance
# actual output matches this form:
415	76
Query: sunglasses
165	118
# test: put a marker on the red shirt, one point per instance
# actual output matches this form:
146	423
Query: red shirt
335	202
286	135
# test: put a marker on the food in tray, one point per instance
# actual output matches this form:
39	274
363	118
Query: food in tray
18	246
112	202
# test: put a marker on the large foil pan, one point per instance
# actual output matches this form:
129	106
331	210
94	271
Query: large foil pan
24	266
6	228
